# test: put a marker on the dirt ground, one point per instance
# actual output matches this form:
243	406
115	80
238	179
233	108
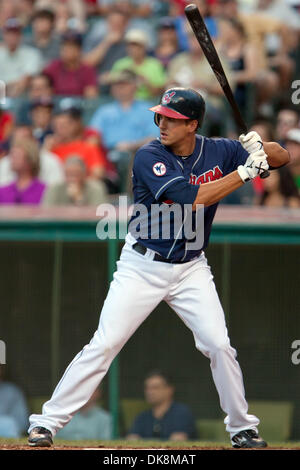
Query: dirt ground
192	448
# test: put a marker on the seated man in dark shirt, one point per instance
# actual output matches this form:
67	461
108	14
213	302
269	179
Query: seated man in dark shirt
167	419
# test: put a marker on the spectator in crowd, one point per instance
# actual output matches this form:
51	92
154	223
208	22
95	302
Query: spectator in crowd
166	419
41	118
13	409
280	10
91	422
137	8
70	14
43	36
24	162
7	10
140	12
40	87
102	52
21	61
126	123
257	27
167	46
280	189
293	147
151	74
287	119
23	11
280	44
191	69
50	167
77	189
69	74
240	55
66	141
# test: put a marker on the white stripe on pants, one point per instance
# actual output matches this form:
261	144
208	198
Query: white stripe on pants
139	285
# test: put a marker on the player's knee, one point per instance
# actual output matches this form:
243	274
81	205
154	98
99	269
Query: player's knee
109	344
220	345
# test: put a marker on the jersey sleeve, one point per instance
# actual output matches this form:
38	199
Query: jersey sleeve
156	171
234	154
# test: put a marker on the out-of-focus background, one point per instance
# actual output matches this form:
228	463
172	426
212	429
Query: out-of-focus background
77	80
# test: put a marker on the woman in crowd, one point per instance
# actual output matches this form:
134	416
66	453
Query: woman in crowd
240	56
24	161
280	190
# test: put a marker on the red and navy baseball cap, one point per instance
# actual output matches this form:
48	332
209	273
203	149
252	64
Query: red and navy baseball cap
180	103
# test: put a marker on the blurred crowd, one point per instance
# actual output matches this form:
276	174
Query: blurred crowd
80	75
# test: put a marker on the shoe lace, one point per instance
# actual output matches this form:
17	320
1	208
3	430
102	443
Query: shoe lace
252	433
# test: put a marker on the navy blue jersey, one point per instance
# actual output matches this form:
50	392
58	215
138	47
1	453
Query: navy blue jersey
178	418
156	169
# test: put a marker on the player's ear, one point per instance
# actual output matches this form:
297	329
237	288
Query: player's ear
192	124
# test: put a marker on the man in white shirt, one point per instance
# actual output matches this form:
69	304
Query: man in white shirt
20	61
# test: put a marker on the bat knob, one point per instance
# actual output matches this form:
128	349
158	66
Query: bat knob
191	7
264	174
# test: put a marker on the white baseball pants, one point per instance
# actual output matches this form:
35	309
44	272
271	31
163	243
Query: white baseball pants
138	286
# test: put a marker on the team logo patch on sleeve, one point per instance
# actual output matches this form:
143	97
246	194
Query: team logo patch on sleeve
159	169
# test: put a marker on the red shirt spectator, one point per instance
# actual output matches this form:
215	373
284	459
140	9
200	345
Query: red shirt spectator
91	155
69	74
68	139
71	82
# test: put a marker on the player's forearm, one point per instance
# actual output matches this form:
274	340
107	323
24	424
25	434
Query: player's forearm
212	192
277	155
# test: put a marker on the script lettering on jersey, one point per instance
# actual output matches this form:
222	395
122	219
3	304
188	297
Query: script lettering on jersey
210	175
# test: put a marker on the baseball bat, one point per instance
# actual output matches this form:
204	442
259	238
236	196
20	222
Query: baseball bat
203	37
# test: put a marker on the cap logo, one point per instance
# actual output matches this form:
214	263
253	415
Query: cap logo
167	97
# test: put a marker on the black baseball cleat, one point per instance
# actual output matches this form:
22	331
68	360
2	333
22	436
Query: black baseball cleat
40	437
247	439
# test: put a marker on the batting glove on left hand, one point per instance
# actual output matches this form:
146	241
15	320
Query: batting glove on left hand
251	141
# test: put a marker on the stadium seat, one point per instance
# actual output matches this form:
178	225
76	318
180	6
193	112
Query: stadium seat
35	404
130	408
211	430
275	419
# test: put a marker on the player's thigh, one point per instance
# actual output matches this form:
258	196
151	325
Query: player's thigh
135	291
196	301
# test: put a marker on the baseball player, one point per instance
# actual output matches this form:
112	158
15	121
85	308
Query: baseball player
184	169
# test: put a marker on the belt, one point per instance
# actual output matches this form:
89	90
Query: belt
142	250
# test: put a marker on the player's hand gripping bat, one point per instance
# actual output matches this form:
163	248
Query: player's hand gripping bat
198	26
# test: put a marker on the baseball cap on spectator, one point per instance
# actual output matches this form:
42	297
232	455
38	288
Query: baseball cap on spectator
12	24
137	36
73	37
166	22
118	76
293	135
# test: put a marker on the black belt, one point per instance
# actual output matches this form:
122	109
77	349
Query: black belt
142	250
